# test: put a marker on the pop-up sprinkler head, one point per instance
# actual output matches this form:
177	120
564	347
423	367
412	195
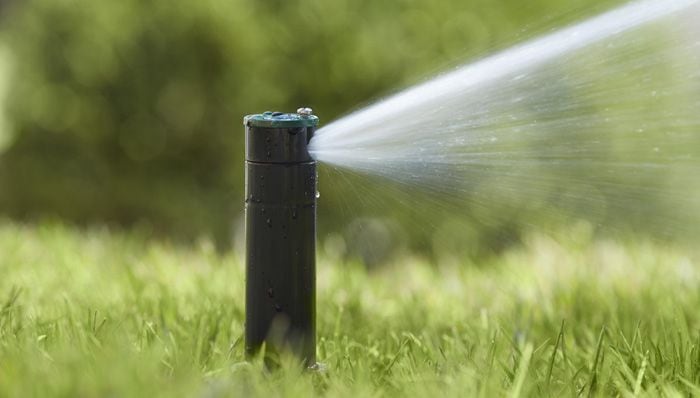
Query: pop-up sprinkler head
281	234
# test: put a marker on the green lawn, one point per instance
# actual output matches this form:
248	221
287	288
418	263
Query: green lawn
96	313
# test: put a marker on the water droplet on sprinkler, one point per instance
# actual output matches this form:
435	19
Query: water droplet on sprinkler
305	111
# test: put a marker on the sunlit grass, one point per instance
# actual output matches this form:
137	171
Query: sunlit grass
96	313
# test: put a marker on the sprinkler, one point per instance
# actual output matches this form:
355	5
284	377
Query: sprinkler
280	216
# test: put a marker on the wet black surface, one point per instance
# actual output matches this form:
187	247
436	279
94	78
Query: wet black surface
280	242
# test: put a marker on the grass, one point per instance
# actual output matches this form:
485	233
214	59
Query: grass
97	313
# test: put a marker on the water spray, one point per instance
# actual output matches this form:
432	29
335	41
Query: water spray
597	121
281	234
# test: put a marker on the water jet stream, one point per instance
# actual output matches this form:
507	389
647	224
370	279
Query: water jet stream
601	116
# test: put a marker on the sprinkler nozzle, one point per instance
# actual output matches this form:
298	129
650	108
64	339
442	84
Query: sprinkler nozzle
281	234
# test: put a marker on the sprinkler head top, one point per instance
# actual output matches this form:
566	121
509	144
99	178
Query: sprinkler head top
278	137
303	118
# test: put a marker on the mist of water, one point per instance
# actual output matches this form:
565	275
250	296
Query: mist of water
603	116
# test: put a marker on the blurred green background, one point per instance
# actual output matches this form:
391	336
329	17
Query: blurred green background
130	112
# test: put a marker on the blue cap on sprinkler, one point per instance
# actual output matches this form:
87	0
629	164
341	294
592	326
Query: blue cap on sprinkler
303	118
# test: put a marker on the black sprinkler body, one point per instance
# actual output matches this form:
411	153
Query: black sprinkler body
280	217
